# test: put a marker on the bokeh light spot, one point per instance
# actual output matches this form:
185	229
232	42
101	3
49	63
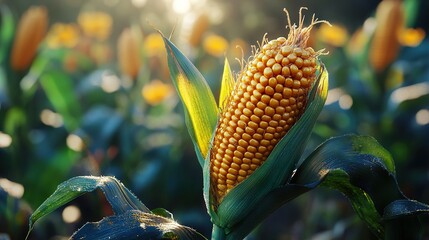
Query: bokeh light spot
75	143
71	214
181	6
5	140
110	83
12	188
51	118
422	117
346	102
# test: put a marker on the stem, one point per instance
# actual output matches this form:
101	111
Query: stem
218	233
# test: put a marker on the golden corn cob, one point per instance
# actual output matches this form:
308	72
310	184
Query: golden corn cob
269	97
385	44
199	27
29	34
128	53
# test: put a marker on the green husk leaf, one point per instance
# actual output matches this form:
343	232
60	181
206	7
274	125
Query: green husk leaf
274	200
200	106
60	92
237	204
135	224
361	169
227	84
120	198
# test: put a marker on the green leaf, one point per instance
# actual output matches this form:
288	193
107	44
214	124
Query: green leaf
406	219
411	7
60	92
227	84
99	125
135	224
15	118
274	200
119	197
200	106
404	207
7	29
358	167
237	204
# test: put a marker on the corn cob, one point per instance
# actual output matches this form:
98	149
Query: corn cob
269	97
385	44
29	34
128	53
199	27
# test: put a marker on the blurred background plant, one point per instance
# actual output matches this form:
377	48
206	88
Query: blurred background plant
85	90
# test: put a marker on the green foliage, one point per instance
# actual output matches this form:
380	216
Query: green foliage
132	219
117	132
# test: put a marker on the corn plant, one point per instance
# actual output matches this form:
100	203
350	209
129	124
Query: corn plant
250	148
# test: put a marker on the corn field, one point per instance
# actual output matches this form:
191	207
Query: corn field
190	119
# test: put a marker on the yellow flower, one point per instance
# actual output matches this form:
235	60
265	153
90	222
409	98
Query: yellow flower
63	35
129	53
156	91
334	35
29	33
411	37
215	45
154	45
95	24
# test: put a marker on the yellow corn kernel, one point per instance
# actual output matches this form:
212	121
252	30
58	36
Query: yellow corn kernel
269	97
385	43
30	32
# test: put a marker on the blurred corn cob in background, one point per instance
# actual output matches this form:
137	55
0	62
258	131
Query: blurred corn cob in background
385	44
29	34
129	53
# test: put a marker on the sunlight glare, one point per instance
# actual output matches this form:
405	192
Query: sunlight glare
139	3
181	6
